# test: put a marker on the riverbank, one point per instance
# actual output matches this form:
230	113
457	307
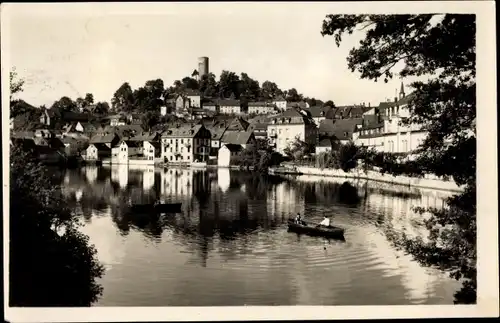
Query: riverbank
428	182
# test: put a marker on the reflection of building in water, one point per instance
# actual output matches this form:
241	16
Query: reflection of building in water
119	174
177	182
223	178
148	177
91	174
78	194
284	199
417	280
397	207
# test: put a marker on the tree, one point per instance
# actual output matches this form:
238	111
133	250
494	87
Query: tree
89	99
123	99
329	103
209	86
293	96
102	108
299	149
16	85
443	48
228	84
65	104
150	119
258	155
270	90
50	261
190	83
249	88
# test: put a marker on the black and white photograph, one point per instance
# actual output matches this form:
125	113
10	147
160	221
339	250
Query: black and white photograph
249	160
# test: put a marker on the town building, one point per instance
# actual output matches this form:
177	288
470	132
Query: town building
318	114
280	103
97	151
258	126
242	138
290	125
217	130
261	108
394	137
341	130
185	144
109	140
152	150
226	153
210	105
120	153
194	97
230	106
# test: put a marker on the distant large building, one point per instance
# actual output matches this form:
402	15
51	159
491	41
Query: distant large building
202	66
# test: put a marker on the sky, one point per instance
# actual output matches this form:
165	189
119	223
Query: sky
73	49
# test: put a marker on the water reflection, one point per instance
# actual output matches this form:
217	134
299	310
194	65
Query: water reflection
233	229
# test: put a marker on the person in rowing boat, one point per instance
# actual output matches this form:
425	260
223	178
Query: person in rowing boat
298	219
325	222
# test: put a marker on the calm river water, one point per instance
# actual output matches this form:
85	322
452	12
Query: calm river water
230	244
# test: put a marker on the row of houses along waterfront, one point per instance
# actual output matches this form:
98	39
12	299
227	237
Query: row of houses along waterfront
204	139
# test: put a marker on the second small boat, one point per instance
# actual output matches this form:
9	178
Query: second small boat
158	208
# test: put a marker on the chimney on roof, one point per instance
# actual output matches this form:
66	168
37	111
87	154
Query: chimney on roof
369	104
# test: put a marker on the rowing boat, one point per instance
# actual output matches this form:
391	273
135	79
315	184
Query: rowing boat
158	208
313	229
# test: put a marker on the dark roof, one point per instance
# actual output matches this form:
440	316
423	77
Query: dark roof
343	128
318	111
182	131
237	137
131	143
75	116
101	146
144	136
260	104
326	126
233	147
229	102
103	139
370	120
259	123
238	123
296	116
119	130
279	98
406	99
156	144
217	131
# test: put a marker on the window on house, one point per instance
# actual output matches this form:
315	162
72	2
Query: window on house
189	157
171	158
188	149
182	141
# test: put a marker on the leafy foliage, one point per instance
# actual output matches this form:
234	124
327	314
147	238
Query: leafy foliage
299	149
443	48
51	262
259	156
123	99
